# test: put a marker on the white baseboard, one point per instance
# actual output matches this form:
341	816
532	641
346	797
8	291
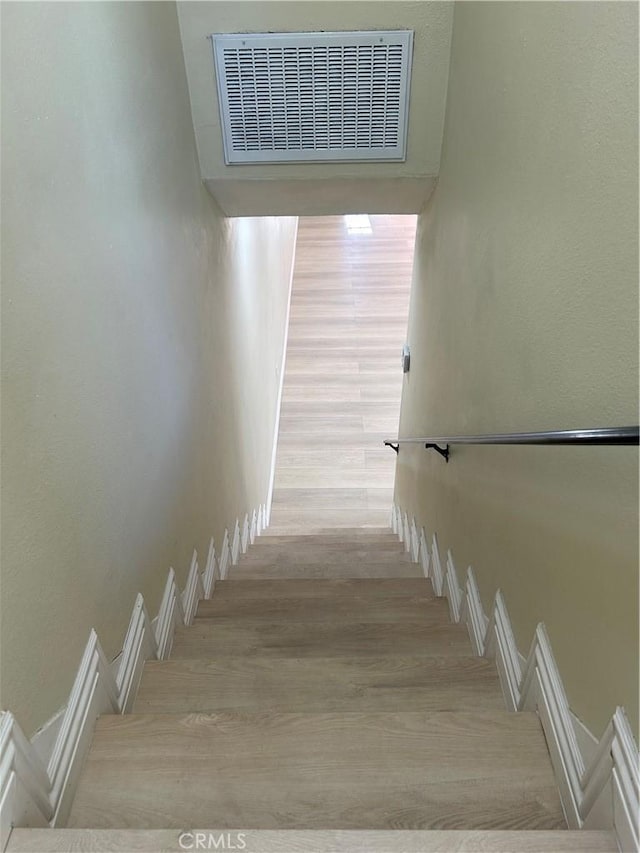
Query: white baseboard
436	575
598	780
94	692
225	556
423	553
25	794
244	536
414	542
395	524
44	739
193	592
477	621
209	575
38	778
500	644
235	544
139	645
169	617
406	534
453	592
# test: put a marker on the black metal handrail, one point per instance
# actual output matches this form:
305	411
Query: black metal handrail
629	435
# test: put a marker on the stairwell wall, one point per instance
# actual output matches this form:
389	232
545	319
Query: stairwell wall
142	337
524	316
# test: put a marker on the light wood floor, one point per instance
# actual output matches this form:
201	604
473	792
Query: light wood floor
343	380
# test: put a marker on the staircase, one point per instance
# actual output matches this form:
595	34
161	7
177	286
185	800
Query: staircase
323	687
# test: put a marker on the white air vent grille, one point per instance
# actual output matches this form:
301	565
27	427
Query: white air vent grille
313	96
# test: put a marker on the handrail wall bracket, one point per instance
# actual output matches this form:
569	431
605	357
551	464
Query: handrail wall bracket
443	451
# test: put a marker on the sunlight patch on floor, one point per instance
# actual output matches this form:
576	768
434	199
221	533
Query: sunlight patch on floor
358	224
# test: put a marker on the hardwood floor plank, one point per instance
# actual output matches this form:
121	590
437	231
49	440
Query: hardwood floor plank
321	477
340	408
323	498
356	440
320	457
310	520
326	497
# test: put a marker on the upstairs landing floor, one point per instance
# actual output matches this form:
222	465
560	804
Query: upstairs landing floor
343	377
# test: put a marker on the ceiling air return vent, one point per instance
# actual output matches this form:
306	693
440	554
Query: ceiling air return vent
290	97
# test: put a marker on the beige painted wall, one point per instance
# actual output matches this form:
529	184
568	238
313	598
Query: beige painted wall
398	187
524	316
142	337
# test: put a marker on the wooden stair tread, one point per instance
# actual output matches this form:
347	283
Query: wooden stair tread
327	841
362	569
318	684
354	540
320	639
339	553
318	588
313	522
321	530
303	771
328	608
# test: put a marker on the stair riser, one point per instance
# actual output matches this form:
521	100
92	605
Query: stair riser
301	554
321	640
375	589
361	539
319	523
425	610
320	685
327	570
